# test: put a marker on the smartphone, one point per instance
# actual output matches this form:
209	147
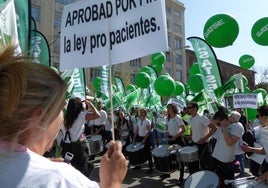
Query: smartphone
68	157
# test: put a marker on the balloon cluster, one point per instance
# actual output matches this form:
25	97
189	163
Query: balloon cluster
221	30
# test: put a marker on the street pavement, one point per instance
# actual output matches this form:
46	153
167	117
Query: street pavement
139	178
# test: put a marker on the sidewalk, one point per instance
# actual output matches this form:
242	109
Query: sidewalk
139	178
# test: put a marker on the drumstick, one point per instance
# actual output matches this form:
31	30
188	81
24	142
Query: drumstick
226	182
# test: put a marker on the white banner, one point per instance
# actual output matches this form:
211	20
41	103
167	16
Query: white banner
103	32
245	100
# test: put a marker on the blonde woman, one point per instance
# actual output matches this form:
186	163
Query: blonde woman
31	103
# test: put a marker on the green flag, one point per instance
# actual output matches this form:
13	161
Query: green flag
23	11
208	66
39	48
220	91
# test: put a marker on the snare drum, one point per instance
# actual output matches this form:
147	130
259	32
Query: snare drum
249	183
136	153
202	179
166	158
189	154
94	144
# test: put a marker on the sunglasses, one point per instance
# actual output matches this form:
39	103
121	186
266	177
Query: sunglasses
190	107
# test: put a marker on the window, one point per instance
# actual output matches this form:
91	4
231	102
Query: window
178	59
177	14
177	28
65	2
168	70
135	63
94	72
168	10
132	78
168	56
177	43
35	12
178	75
57	19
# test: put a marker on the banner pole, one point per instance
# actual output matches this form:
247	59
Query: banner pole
111	99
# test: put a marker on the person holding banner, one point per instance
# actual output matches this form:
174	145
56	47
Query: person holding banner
201	130
32	100
262	115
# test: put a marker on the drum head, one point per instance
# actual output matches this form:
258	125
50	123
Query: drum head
202	179
135	147
161	151
188	149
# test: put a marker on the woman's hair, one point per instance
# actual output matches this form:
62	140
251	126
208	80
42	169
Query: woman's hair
25	87
74	108
173	108
263	110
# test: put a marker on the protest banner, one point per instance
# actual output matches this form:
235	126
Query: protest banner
102	32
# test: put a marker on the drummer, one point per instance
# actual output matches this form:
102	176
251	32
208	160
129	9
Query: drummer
201	131
99	124
73	129
175	130
142	134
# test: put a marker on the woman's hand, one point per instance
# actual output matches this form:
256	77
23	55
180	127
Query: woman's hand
113	167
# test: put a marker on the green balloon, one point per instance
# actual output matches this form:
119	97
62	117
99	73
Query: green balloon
158	58
221	30
194	69
158	68
196	82
179	88
259	31
142	80
164	85
246	61
96	83
146	69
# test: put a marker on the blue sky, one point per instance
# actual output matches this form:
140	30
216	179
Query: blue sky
245	12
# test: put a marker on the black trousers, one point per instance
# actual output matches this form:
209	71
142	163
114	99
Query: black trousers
204	152
180	142
223	170
79	160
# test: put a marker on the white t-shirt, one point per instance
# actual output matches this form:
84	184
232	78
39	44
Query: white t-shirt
222	151
238	150
199	126
143	126
264	140
174	125
77	128
102	119
23	169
